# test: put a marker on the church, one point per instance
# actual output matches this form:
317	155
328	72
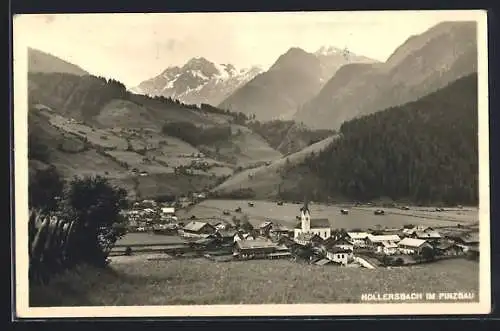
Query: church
318	226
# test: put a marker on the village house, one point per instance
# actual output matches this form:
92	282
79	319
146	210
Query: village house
251	249
207	243
278	231
447	248
339	255
386	244
320	227
308	238
226	236
196	229
272	229
388	247
168	211
468	241
219	224
248	236
412	246
265	228
240	235
429	235
281	252
358	239
342	242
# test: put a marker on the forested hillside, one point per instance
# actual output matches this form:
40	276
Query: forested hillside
425	151
81	97
287	136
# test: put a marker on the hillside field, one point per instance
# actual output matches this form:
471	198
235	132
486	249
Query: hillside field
358	217
264	180
136	281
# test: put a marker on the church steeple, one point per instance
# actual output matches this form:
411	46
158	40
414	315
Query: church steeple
305	217
305	207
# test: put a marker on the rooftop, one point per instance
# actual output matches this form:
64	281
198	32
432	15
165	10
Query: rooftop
265	224
308	236
257	243
384	237
195	226
428	234
412	242
470	238
336	249
357	235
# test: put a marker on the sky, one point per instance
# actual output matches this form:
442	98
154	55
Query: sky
135	47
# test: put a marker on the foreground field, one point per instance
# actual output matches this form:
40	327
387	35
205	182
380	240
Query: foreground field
137	281
357	217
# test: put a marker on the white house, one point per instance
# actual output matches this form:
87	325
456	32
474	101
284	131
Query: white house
388	247
412	245
168	211
358	239
343	243
386	244
308	238
319	226
339	255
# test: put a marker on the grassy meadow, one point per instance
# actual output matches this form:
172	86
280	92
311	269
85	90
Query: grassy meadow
358	217
135	280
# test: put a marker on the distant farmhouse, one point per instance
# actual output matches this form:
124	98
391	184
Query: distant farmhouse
307	226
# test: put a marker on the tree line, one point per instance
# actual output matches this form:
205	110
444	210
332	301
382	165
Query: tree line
424	151
90	93
65	91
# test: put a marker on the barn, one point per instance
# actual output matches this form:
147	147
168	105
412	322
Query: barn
251	249
196	229
412	246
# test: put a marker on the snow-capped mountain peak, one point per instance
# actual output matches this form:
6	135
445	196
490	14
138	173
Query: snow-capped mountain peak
198	81
329	50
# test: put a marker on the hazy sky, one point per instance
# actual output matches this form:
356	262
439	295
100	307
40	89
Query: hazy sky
135	47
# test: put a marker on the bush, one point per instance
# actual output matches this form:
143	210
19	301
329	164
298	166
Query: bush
96	205
81	229
45	186
36	149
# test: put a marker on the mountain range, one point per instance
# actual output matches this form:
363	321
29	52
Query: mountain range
198	81
83	124
294	78
88	125
330	86
423	64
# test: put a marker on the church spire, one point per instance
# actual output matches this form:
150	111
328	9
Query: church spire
305	207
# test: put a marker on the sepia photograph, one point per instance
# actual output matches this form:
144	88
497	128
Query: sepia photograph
251	164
